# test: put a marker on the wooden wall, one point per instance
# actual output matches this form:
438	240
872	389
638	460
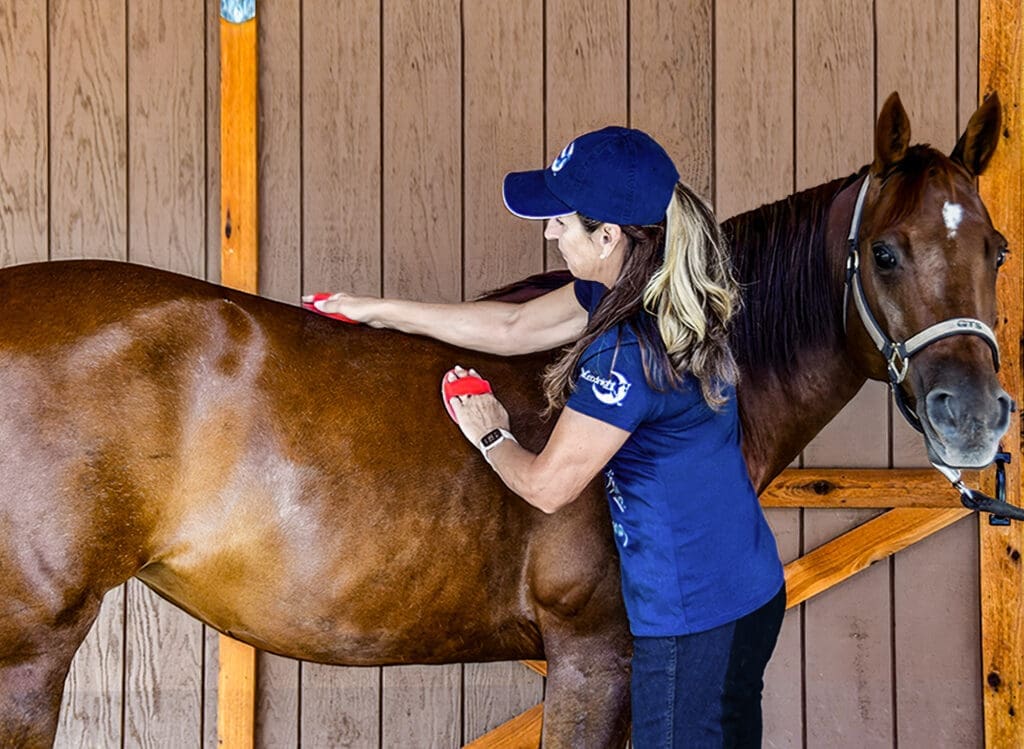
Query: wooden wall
385	128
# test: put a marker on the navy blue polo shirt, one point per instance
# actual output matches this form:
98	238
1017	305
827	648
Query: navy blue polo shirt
694	547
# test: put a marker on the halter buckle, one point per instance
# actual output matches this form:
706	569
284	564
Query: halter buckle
897	365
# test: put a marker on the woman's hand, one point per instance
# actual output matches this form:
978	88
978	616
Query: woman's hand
477	414
357	308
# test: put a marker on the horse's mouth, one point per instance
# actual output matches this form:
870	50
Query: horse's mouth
972	447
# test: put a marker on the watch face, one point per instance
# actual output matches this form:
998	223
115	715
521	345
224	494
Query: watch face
490	438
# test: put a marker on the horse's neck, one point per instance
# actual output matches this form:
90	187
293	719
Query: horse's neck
782	412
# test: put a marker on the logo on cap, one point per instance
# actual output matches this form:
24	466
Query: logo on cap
562	158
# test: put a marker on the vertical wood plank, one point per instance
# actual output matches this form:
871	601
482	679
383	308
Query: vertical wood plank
671	91
1001	68
166	194
90	713
847	633
504	131
23	132
753	164
341	184
341	136
280	149
932	608
782	703
88	130
503	86
87	177
586	76
340	706
421	706
422	248
753	104
167	159
422	147
239	219
280	269
163	673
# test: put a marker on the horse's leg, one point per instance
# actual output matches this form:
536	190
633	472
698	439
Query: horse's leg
574	581
36	649
586	703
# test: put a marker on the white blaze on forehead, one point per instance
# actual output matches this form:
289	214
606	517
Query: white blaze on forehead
952	215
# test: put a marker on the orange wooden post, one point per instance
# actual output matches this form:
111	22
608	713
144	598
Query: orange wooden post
1002	187
236	695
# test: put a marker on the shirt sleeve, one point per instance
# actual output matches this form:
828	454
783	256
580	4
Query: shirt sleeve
611	385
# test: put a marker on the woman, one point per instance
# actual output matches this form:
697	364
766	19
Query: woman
648	393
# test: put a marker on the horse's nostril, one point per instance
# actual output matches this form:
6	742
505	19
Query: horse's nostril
940	405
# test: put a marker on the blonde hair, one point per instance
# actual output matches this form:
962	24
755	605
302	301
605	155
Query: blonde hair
693	295
677	292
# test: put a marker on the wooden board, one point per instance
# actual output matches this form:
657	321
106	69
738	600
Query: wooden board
503	130
753	164
24	183
671	86
586	74
88	130
847	679
1002	187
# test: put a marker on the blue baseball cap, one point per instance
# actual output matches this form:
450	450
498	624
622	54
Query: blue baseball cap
616	174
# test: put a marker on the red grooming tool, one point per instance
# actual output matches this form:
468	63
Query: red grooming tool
461	386
333	315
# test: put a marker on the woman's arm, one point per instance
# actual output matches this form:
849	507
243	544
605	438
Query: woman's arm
549	321
579	447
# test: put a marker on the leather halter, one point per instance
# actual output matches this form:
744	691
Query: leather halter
897	356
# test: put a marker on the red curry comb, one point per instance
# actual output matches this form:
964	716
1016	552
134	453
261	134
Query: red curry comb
468	385
319	297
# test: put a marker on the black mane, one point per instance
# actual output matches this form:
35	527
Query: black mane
789	300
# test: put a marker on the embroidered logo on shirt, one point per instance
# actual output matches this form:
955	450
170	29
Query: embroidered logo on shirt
609	390
562	158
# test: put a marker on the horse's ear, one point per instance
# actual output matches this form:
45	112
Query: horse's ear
892	135
978	143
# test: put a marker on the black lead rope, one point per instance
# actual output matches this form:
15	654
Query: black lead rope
1000	511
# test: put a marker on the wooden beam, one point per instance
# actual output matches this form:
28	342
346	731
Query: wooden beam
236	683
858	549
1002	188
882	488
522	732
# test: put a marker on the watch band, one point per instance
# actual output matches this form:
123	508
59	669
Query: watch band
494	438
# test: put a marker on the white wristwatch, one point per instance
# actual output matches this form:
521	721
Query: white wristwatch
494	438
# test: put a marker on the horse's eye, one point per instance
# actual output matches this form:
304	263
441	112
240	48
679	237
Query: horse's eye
1001	257
885	256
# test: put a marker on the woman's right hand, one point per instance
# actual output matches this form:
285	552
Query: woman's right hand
357	308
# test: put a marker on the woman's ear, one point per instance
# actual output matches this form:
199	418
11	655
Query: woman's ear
610	236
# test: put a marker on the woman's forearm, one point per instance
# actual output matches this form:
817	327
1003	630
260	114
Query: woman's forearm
480	326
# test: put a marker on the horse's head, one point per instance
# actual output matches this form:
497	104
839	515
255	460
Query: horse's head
928	256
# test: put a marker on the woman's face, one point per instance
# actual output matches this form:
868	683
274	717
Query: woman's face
580	249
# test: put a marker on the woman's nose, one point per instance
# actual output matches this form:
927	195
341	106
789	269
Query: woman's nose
550	228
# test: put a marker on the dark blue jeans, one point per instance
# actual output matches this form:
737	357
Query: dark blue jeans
703	691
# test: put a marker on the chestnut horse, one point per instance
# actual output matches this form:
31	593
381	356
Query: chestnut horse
295	483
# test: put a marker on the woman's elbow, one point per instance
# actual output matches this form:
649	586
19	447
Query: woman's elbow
549	499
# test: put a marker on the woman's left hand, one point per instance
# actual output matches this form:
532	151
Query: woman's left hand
477	414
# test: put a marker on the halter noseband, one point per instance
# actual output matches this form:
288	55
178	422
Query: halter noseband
897	356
